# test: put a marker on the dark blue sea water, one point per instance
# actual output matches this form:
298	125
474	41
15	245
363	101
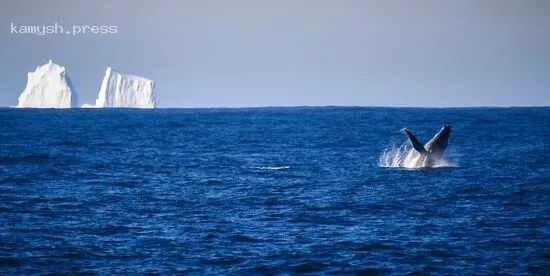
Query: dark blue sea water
272	190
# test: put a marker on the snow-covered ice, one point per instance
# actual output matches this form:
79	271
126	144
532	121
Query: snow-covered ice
118	90
48	86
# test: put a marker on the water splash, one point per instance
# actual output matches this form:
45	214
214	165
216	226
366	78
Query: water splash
404	156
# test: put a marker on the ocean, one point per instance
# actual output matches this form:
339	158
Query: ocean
272	191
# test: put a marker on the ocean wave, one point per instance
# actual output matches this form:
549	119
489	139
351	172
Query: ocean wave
271	168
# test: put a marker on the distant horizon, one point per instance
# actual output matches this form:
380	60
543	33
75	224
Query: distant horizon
80	105
295	106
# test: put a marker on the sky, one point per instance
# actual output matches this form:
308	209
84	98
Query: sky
208	53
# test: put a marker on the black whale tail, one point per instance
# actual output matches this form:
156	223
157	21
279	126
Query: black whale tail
414	142
436	146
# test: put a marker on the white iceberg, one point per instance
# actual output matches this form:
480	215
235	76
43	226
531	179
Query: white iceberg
48	86
118	90
87	105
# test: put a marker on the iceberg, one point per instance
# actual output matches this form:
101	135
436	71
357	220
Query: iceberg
118	90
87	105
48	86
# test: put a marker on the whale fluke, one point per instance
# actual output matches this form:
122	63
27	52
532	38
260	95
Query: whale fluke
414	142
433	150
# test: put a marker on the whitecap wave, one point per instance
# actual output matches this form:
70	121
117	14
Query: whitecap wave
271	168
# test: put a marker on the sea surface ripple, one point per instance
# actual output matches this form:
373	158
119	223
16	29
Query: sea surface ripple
272	190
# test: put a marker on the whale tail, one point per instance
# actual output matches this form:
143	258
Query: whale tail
435	146
440	141
414	142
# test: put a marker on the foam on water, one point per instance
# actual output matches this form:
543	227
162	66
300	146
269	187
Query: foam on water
272	168
404	156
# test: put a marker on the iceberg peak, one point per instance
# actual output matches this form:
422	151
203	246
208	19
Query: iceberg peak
120	90
48	86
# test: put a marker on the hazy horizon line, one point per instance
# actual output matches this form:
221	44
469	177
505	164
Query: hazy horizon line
302	106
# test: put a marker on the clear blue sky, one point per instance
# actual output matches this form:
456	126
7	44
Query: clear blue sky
286	52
